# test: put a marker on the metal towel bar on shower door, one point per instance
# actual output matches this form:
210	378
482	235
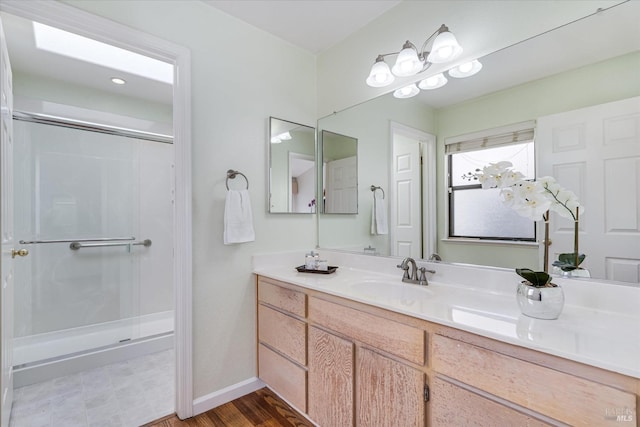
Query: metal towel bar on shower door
77	245
97	239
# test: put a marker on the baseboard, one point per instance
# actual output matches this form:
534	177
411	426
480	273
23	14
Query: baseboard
227	394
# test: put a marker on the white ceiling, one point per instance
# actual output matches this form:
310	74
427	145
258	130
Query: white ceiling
314	25
318	24
28	59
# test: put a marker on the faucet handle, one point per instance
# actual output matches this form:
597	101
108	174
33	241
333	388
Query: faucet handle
423	277
405	267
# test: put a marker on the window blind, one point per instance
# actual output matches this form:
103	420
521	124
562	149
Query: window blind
506	135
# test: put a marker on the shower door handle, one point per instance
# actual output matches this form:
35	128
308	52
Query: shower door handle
19	252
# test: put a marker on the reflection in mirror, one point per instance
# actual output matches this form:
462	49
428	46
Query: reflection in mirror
292	183
339	173
524	82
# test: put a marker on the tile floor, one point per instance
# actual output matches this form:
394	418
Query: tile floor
124	394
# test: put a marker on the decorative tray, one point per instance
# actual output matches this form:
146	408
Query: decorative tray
331	269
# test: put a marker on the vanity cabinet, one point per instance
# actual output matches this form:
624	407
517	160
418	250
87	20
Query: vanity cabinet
527	386
282	341
361	368
345	363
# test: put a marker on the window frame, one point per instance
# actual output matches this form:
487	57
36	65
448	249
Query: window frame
451	189
512	134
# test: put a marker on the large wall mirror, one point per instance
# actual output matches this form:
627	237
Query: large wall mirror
339	173
292	172
584	64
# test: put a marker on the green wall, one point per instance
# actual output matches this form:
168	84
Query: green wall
599	83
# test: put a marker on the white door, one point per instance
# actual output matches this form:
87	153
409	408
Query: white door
412	192
406	210
6	231
595	152
342	182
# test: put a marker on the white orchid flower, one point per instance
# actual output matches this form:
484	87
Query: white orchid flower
534	206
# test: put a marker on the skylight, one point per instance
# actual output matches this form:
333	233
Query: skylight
89	50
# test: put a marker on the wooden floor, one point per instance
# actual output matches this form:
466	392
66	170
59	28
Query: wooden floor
261	408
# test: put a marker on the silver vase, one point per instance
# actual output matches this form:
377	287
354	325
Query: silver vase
540	303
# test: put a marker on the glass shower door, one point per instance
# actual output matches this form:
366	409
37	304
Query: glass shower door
81	198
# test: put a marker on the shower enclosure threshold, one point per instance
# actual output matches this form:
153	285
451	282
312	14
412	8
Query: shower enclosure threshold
35	372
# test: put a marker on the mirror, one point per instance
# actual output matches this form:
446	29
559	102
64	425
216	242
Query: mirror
292	172
339	173
589	62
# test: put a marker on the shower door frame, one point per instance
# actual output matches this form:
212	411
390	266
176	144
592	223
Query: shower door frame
71	19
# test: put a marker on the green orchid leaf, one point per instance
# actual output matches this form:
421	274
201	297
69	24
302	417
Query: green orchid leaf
538	279
566	262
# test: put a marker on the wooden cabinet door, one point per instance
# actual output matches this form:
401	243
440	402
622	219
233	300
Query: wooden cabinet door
452	405
330	379
389	393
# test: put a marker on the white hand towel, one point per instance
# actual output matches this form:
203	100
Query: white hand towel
238	218
379	224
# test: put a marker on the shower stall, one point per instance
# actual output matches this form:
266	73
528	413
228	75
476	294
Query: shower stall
94	208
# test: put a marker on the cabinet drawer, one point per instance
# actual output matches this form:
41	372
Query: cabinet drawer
561	396
453	405
392	337
283	333
283	376
285	299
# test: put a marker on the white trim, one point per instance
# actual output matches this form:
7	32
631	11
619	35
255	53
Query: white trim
69	18
515	127
227	394
467	240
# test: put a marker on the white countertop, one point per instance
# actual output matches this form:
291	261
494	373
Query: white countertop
599	326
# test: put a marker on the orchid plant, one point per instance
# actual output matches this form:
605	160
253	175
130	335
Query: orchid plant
534	199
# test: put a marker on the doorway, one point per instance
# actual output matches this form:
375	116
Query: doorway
65	206
412	192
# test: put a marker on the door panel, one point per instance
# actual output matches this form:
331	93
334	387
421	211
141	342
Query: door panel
6	231
595	152
383	380
342	190
406	221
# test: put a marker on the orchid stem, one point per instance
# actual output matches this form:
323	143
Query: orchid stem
545	217
575	240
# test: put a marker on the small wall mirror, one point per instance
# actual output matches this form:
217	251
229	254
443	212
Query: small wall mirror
292	172
339	173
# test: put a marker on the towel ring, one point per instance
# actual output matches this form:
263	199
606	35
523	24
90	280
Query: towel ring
231	174
374	188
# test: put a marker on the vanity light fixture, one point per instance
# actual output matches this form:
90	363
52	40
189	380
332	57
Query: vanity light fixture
465	70
285	136
118	80
407	91
433	82
411	61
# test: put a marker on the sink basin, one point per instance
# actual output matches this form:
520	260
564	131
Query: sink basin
385	290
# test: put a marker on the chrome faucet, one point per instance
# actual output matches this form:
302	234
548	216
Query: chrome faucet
413	276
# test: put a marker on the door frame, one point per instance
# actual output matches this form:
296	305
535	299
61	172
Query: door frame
69	18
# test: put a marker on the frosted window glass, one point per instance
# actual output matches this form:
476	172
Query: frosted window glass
480	213
521	155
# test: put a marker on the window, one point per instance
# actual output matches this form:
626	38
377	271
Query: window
478	213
